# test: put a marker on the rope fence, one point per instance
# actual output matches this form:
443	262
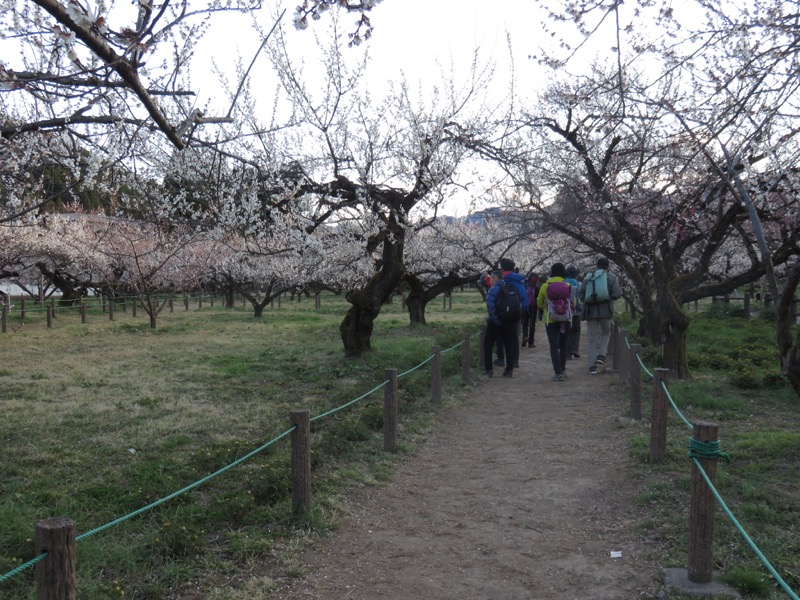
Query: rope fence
55	538
704	452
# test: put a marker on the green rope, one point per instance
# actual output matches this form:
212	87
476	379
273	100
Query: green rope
21	568
237	462
185	489
451	348
744	535
412	369
645	369
361	397
710	450
675	406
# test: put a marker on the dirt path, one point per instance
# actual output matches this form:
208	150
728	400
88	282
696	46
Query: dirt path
522	493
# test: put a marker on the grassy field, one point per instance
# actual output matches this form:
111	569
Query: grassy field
736	383
103	418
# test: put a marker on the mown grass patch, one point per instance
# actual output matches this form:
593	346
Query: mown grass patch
736	383
103	418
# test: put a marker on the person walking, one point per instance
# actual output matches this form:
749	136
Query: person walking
497	327
529	316
512	277
555	300
575	329
600	289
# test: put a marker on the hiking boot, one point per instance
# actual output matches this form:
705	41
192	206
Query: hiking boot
575	354
499	362
516	365
592	370
600	360
524	344
508	374
559	377
487	373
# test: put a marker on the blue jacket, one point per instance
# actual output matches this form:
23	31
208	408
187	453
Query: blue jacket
510	278
491	303
518	281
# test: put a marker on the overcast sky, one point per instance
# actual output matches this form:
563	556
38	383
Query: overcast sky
415	37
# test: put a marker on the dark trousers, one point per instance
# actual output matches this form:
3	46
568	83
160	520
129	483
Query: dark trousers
506	333
501	352
575	335
558	338
529	326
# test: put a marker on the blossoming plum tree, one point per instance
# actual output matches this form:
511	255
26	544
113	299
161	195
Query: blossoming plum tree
662	169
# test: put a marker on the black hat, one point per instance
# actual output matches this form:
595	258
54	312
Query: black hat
507	264
602	262
572	271
558	270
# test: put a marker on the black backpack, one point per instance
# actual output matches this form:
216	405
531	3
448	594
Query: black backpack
508	305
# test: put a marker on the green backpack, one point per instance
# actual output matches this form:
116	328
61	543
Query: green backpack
596	287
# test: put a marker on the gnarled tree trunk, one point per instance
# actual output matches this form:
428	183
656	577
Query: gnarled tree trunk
790	353
356	328
665	322
419	297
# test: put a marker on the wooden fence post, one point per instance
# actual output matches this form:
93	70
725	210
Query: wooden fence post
658	417
53	307
199	301
636	383
55	574
436	374
701	510
301	459
465	360
317	301
185	302
171	307
390	411
82	309
50	310
133	310
110	309
5	314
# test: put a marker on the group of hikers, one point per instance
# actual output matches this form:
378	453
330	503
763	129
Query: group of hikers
514	303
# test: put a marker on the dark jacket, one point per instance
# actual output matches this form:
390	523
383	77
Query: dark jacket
518	281
491	303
